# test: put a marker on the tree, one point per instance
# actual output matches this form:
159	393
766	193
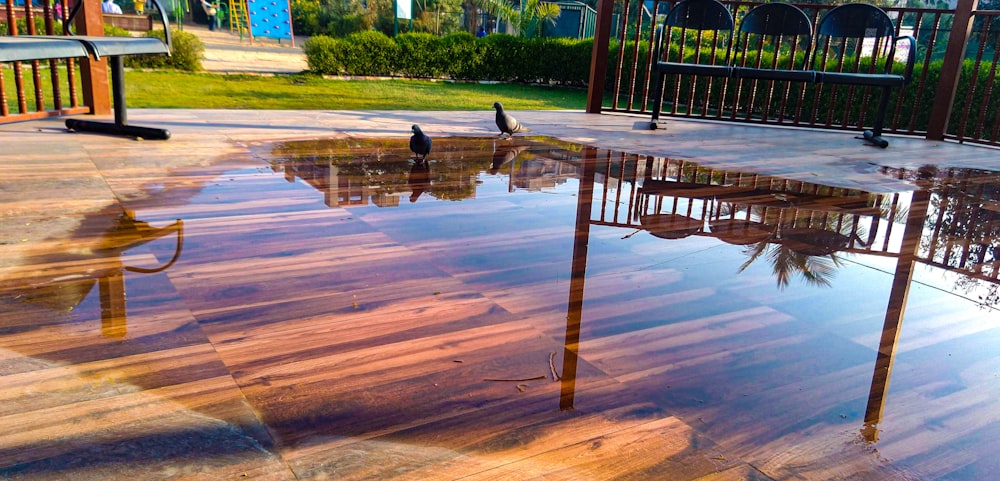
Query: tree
526	19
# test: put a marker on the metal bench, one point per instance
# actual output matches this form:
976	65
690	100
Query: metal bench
775	42
41	47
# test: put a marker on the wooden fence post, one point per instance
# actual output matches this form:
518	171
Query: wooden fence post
951	69
93	74
599	56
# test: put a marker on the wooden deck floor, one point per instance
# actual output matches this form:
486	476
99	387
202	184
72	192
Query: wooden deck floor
249	319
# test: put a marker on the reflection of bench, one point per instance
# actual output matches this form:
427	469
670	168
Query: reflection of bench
855	46
761	196
43	47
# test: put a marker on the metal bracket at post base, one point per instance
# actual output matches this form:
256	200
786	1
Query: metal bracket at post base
875	139
116	129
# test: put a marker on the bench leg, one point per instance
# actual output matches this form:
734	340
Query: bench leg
657	100
120	125
874	136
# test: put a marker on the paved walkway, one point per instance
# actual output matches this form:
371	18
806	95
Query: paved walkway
227	52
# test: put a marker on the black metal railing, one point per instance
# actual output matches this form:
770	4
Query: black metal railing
951	95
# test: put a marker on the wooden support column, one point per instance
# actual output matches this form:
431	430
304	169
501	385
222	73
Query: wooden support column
93	74
599	56
951	69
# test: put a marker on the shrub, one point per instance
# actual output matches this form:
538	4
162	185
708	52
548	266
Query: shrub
505	57
421	55
325	55
186	53
465	56
112	31
22	27
370	53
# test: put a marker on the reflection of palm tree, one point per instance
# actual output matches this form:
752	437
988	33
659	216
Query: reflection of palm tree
810	250
816	270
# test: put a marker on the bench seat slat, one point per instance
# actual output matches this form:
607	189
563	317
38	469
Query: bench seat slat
39	48
864	79
694	69
772	74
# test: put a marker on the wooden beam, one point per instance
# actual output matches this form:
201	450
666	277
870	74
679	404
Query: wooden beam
93	73
951	69
599	57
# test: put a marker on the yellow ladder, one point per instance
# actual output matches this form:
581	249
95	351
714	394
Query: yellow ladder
239	20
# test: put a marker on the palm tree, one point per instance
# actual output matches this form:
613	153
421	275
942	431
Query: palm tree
526	18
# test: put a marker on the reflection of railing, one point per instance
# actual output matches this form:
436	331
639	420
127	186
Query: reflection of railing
677	199
97	260
962	231
913	223
674	199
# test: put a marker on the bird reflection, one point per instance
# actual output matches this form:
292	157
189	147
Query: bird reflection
505	154
419	179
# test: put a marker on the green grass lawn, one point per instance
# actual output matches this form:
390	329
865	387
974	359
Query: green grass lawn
167	89
183	90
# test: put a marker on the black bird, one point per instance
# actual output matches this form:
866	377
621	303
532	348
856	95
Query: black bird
506	123
420	143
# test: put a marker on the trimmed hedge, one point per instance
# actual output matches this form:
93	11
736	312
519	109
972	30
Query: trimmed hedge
186	53
459	56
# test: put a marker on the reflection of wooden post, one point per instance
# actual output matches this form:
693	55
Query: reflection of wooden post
894	313
112	292
93	73
574	307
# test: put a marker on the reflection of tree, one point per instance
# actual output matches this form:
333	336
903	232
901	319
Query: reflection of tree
964	234
795	243
453	180
962	227
383	165
815	270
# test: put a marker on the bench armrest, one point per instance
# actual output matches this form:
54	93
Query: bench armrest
911	56
657	43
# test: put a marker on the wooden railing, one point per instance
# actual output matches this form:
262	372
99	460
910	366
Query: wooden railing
950	97
39	89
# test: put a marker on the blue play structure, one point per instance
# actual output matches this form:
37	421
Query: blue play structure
270	18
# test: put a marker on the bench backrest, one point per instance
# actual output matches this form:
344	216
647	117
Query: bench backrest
862	33
855	37
702	23
772	33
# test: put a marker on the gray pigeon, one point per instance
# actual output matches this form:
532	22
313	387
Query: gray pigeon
420	143
506	123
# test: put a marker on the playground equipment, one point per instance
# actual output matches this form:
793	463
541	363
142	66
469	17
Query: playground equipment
261	18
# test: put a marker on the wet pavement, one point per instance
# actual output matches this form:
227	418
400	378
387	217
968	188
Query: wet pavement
288	295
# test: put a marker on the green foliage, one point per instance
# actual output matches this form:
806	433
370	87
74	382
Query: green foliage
505	58
325	55
421	55
527	18
113	31
465	54
22	27
461	56
370	53
186	53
